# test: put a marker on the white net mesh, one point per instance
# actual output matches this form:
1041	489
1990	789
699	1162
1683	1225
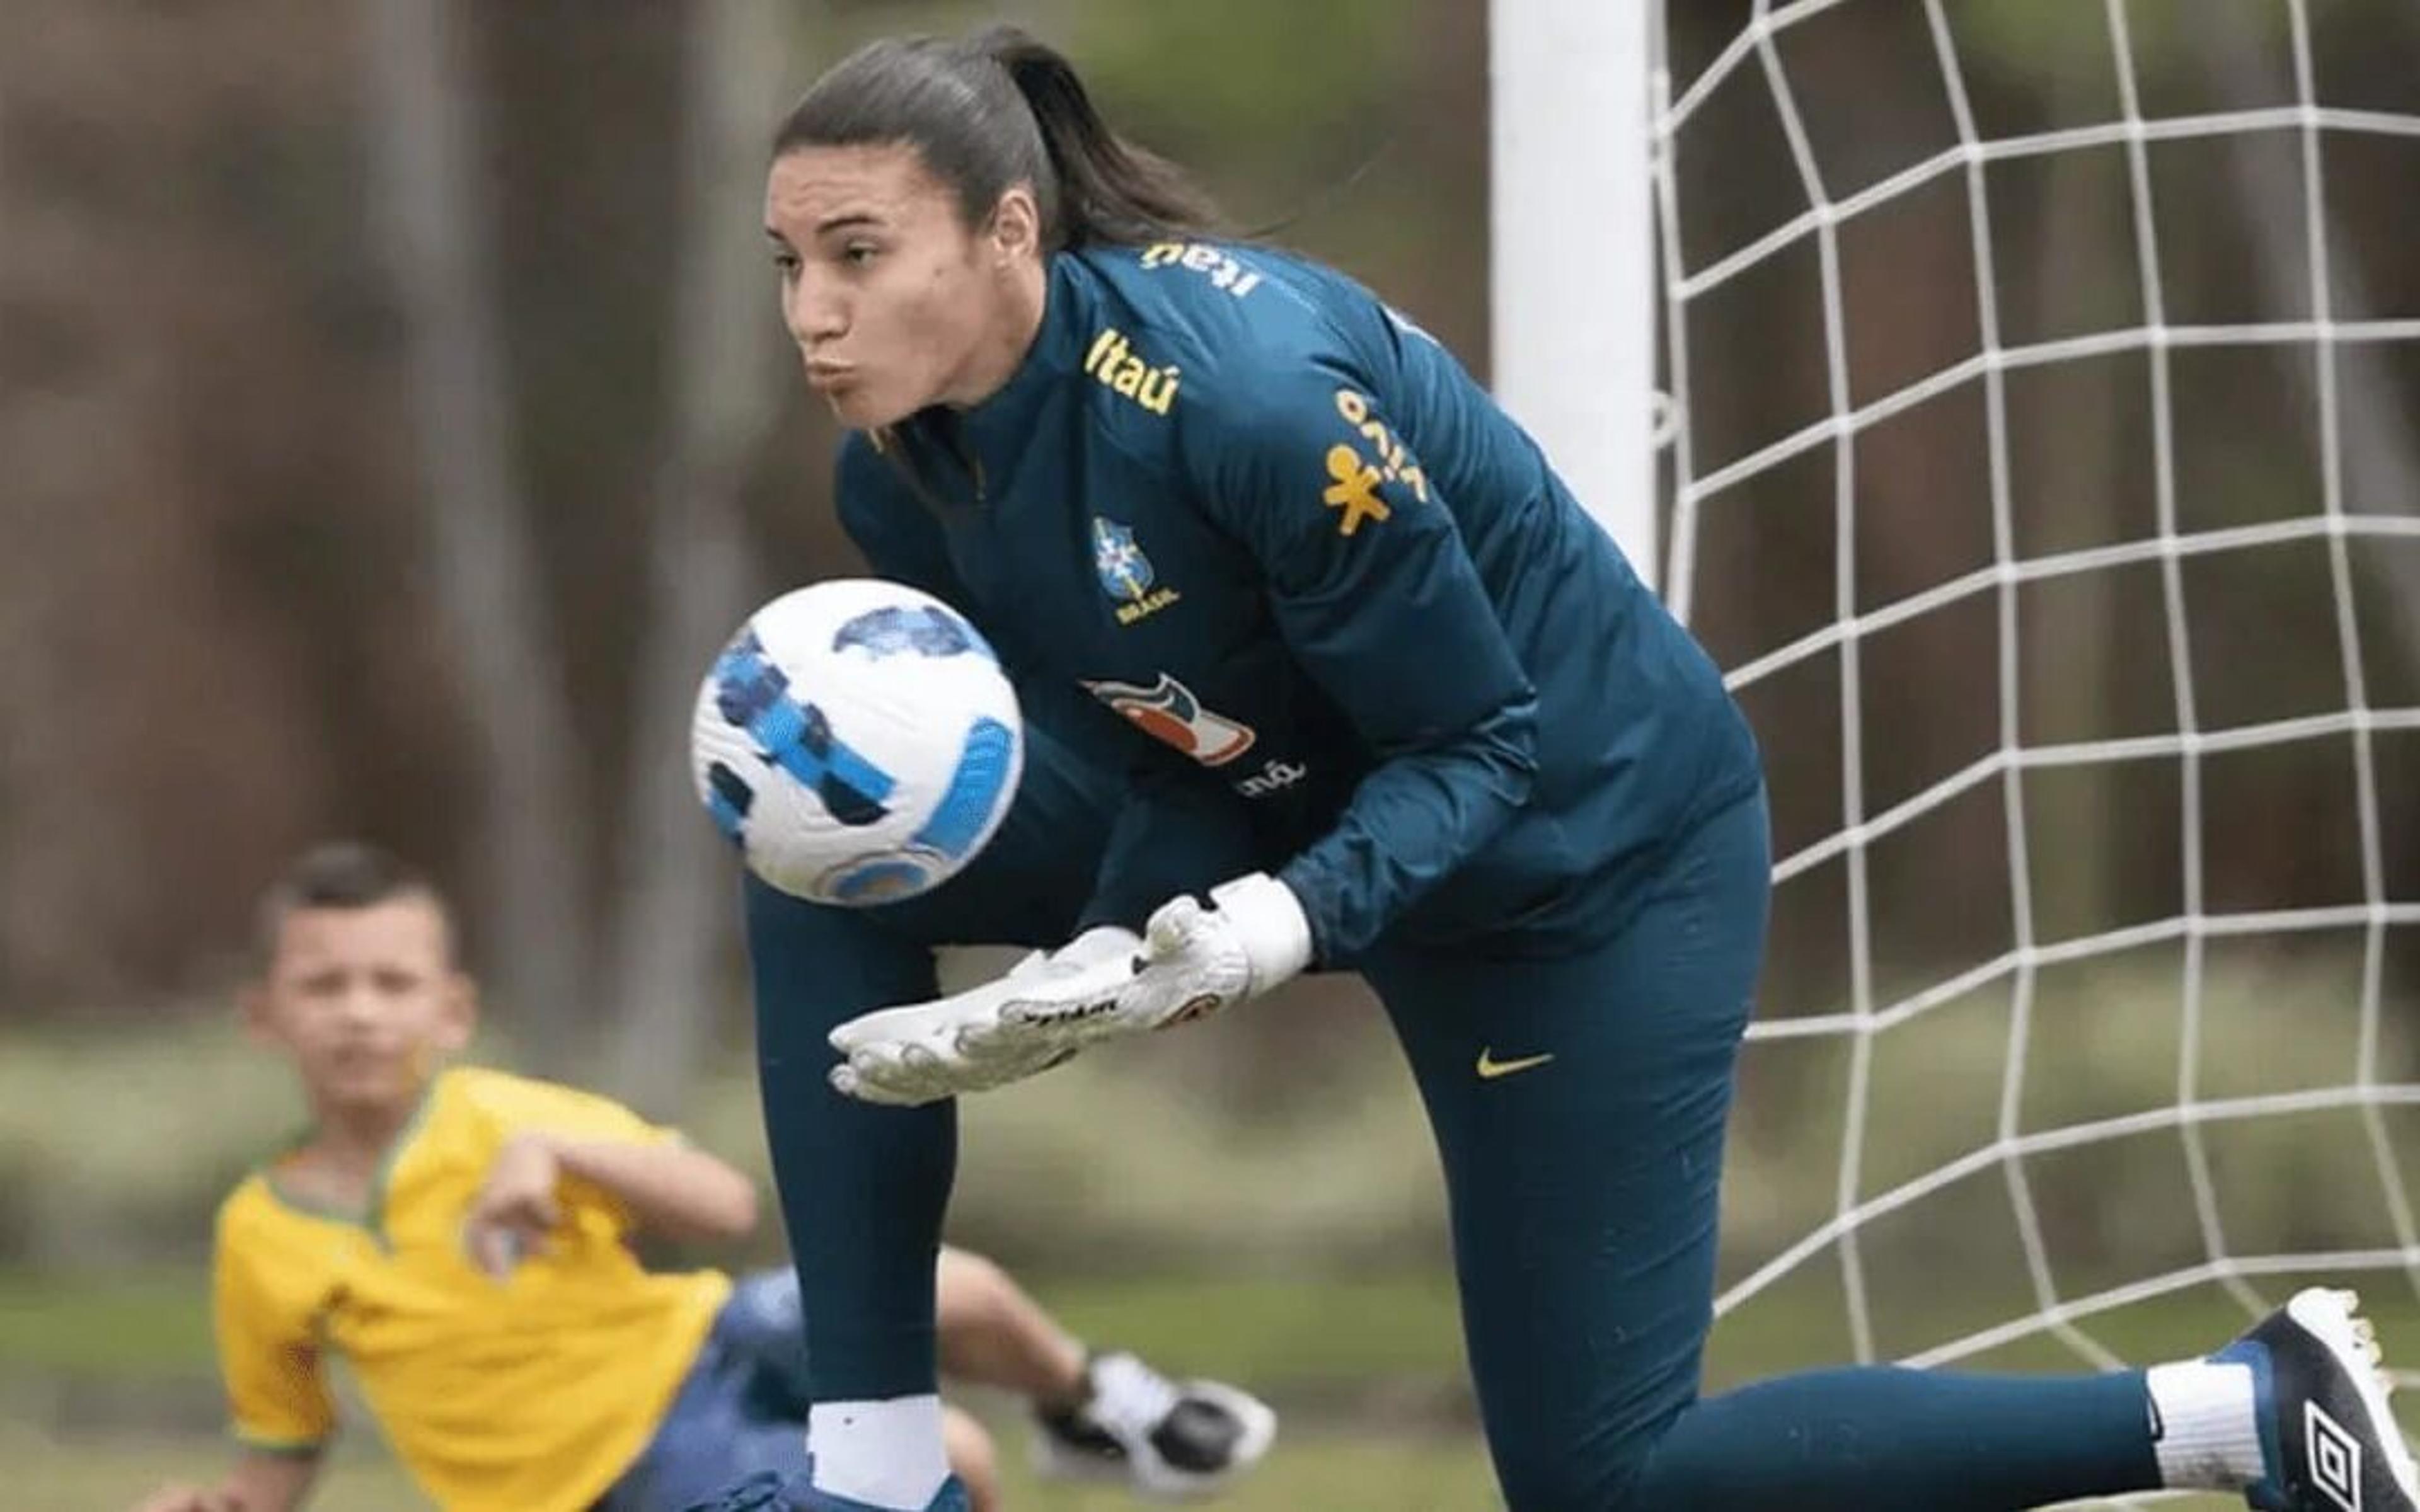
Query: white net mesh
2042	473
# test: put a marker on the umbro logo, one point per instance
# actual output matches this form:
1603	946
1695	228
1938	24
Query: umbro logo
2334	1455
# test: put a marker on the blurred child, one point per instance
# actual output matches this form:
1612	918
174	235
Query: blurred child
460	1238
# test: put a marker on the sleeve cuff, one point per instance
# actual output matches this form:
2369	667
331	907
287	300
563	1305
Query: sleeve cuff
1303	882
282	1447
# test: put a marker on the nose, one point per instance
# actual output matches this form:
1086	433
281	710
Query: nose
814	308
358	1004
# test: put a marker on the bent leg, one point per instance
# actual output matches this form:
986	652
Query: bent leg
1578	1102
863	1188
1580	1105
1878	1439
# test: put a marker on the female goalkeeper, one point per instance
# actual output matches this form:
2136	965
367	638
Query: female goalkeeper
1382	699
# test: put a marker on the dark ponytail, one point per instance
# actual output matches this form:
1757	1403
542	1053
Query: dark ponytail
1110	189
995	110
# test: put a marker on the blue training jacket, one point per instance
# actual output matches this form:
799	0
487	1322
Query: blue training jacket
1250	539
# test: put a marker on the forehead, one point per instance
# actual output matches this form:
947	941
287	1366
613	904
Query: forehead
410	929
810	186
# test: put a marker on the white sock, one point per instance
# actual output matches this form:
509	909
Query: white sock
885	1454
2209	1427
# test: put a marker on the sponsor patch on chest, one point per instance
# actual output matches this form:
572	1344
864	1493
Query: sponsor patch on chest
1166	710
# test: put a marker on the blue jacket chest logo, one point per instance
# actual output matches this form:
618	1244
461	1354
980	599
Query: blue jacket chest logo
1125	573
1166	710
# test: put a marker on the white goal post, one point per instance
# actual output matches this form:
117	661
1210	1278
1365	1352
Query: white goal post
1571	258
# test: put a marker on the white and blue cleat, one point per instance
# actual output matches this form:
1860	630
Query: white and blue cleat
2327	1435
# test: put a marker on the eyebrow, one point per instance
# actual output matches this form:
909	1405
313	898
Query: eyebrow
831	223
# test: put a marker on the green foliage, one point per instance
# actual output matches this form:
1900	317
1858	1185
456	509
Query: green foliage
2045	38
1299	1338
124	1141
121	1142
121	1145
1100	1167
2042	41
1250	81
2104	1041
1264	76
154	1325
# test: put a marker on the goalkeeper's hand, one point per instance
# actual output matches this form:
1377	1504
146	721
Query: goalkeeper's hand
1192	961
917	1053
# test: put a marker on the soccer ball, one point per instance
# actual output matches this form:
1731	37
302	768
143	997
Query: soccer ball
858	741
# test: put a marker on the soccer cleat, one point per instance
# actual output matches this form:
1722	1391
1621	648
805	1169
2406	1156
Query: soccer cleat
2327	1435
1164	1438
769	1491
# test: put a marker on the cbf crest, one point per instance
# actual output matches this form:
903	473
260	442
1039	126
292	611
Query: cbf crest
1126	572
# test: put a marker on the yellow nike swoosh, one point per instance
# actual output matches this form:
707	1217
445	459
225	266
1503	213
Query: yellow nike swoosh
1490	1068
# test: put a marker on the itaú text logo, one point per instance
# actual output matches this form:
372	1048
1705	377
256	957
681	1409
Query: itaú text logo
1114	361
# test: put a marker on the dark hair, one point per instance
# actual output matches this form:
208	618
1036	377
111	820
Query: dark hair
998	109
340	874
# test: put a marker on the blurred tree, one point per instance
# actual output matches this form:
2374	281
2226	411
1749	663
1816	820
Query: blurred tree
672	902
172	378
390	406
2274	200
533	816
470	447
2215	234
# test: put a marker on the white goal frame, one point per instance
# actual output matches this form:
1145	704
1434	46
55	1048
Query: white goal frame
1572	278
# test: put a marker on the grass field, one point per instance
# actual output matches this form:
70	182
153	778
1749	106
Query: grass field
1317	1340
118	1373
106	1385
1320	1473
1344	1475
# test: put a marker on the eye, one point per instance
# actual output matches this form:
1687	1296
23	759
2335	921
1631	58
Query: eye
786	262
859	254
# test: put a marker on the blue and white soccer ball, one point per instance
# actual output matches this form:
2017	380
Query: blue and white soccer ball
858	741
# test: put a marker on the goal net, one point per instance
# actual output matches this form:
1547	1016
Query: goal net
2043	468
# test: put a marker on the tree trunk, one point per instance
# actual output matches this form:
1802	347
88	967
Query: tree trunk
2380	456
426	180
2078	242
676	891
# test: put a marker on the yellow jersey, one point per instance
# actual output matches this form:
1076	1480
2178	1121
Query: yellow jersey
528	1394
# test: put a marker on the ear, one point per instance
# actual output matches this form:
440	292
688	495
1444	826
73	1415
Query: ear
1015	229
460	1019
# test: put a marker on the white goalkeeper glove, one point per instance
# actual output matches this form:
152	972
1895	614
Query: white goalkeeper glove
1192	961
914	1055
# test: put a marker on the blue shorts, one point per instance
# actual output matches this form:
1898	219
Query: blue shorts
743	1409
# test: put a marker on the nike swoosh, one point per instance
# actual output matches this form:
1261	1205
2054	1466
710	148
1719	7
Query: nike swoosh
1490	1068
